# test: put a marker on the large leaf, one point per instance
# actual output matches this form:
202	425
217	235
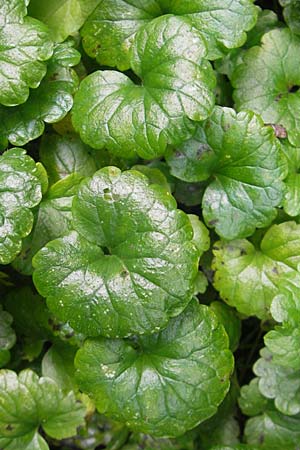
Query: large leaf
25	45
63	17
163	384
53	219
147	273
265	85
247	277
247	166
20	191
7	336
49	103
28	402
111	111
109	32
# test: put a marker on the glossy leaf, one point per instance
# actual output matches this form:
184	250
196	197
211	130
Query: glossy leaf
284	343
53	219
279	383
109	32
7	336
25	46
265	85
49	103
147	273
230	321
291	203
20	191
177	84
58	364
63	17
163	384
65	155
248	278
245	160
28	402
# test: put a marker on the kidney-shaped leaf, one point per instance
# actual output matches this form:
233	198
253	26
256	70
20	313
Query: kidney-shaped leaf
110	30
28	402
177	88
20	190
147	273
163	384
247	165
266	85
248	278
25	45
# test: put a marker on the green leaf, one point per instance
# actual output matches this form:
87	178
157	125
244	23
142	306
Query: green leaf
63	17
163	384
65	155
251	400
28	402
291	203
236	447
201	234
279	383
177	84
20	191
274	430
49	103
25	45
284	344
226	432
147	273
7	336
248	278
140	441
53	219
265	85
29	441
230	321
109	32
58	364
291	13
245	160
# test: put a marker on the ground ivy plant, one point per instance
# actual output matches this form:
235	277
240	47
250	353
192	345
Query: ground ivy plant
149	225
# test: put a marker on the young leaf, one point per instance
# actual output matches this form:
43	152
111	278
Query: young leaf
230	321
20	191
147	275
251	400
279	383
284	344
49	103
25	45
53	219
248	168
291	13
291	203
109	32
7	336
58	364
28	402
63	17
248	278
65	155
177	88
265	85
162	384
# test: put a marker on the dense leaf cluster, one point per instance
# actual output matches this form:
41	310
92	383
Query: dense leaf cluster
149	225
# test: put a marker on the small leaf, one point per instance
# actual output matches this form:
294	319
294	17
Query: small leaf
7	336
147	273
63	17
58	364
265	85
28	402
248	278
279	383
49	103
20	191
251	400
230	321
163	384
25	46
291	13
176	89
65	155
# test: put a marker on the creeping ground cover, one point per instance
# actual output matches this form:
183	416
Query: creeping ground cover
149	225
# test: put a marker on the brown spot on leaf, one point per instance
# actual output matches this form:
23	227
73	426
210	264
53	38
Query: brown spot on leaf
213	222
280	131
